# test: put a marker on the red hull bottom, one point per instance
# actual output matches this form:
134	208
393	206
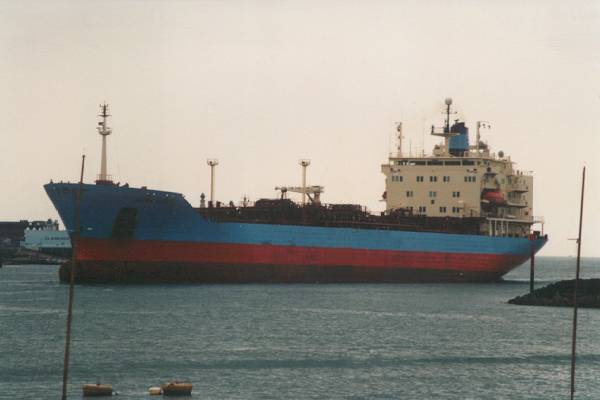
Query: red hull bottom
162	261
161	272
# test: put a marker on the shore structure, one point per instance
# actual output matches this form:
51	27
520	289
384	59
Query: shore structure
460	214
33	242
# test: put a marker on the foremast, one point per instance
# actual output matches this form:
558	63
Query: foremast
104	130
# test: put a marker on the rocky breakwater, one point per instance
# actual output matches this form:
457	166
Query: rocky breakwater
560	294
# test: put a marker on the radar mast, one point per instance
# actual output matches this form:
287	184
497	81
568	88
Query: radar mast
445	131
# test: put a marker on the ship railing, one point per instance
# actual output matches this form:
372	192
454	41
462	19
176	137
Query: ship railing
498	226
517	203
104	178
518	187
538	219
490	184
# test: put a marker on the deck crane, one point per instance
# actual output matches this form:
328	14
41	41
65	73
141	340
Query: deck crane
313	192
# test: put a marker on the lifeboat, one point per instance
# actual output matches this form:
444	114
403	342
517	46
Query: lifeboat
97	389
176	388
493	197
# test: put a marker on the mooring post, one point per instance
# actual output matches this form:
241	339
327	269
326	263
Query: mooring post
531	266
577	270
74	243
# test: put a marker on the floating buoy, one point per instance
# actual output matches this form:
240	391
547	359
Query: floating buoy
154	391
176	388
97	389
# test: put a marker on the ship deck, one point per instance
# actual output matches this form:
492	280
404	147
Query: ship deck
285	212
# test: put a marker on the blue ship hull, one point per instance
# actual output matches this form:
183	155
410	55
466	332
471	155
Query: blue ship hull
170	241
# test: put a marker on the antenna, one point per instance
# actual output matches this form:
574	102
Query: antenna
399	130
104	130
480	124
448	103
423	142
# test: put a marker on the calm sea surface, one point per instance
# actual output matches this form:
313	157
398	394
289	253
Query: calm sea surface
428	341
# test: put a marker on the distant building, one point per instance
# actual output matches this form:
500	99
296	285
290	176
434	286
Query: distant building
12	233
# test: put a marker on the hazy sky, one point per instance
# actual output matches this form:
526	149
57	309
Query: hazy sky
260	84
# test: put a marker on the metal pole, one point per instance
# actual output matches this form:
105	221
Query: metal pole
304	164
574	338
103	160
212	183
212	162
303	184
74	243
531	266
477	137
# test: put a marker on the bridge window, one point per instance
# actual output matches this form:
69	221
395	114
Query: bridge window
435	162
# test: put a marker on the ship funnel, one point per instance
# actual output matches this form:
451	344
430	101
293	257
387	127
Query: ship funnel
459	144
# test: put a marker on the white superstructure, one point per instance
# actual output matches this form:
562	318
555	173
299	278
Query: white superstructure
460	181
45	235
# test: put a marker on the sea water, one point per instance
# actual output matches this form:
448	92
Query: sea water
300	341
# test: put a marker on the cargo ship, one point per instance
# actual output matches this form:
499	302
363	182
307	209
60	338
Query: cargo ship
461	214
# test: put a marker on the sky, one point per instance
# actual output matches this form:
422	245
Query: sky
262	84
